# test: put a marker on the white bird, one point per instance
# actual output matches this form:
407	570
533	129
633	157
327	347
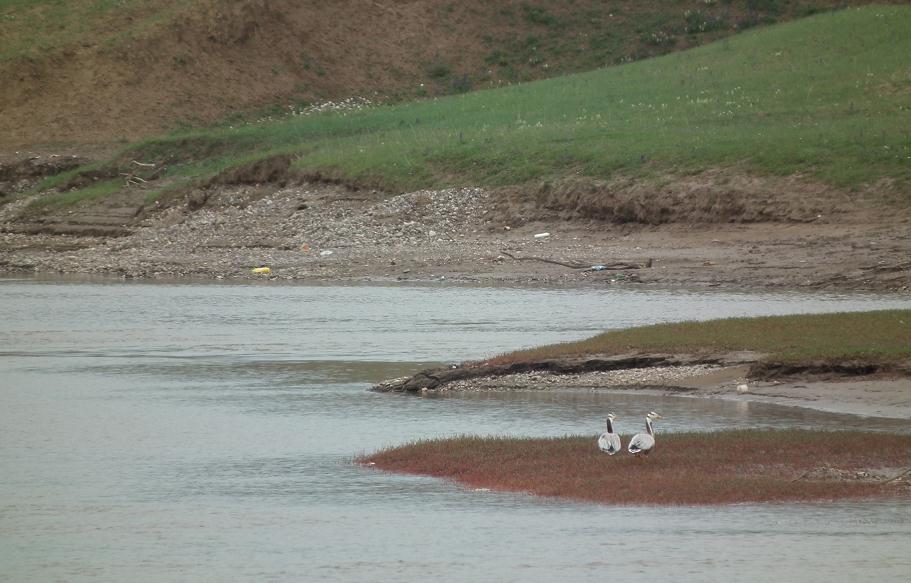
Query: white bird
609	442
644	442
743	388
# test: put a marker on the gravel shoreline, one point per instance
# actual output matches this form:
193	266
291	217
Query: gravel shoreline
869	397
544	381
468	235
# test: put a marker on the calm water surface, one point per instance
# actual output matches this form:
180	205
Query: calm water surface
206	432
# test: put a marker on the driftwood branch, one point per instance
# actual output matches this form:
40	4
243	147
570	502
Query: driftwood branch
133	178
616	266
901	475
619	265
574	265
802	476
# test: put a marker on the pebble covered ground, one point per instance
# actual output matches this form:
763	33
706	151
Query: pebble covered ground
543	381
326	232
311	232
296	231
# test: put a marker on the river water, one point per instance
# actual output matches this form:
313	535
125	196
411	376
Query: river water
154	432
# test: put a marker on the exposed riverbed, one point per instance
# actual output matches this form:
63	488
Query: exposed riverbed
320	233
206	432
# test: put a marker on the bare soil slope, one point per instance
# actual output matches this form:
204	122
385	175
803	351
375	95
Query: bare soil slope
87	72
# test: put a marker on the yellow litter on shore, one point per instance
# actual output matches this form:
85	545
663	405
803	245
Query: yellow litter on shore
261	270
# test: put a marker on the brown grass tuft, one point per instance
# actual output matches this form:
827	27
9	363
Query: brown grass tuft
685	468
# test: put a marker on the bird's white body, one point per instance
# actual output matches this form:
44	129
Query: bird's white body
643	443
609	442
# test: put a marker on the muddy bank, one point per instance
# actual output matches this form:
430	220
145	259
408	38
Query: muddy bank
739	376
19	174
328	232
440	379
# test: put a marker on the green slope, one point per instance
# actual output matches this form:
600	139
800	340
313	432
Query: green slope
829	96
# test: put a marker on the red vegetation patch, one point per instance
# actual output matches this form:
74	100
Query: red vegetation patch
685	468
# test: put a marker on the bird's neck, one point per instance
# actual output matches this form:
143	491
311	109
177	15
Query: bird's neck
648	426
610	426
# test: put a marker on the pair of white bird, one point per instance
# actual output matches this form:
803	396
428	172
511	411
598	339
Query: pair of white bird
641	443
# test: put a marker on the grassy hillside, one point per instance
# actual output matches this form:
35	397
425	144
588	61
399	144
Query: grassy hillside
826	96
103	70
874	337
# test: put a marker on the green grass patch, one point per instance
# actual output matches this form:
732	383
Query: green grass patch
878	337
96	191
33	28
826	96
63	178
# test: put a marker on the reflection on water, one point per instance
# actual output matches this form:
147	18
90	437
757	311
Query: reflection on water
196	432
680	413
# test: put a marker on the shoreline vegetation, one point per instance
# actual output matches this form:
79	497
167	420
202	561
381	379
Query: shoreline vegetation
864	342
725	467
845	345
862	358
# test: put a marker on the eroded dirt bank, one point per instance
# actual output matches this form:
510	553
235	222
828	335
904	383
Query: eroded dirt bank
702	231
855	388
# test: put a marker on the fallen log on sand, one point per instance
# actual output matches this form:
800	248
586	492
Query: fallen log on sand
616	266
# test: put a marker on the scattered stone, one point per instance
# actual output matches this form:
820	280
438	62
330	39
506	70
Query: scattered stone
543	381
455	233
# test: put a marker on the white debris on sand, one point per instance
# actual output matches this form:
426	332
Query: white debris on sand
344	105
